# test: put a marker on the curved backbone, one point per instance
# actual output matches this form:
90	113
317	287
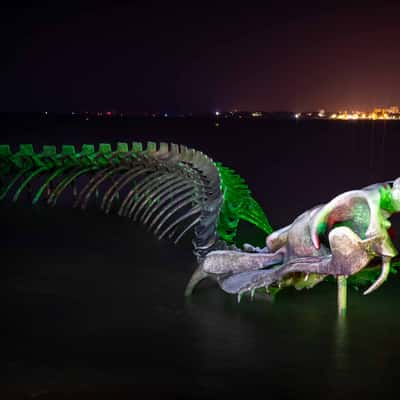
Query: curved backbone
169	188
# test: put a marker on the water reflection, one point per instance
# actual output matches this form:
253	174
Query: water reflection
136	321
300	338
340	351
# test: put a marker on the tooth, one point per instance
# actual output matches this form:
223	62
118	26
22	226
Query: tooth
239	297
306	277
382	277
252	293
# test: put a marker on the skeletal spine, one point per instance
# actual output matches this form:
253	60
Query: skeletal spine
169	188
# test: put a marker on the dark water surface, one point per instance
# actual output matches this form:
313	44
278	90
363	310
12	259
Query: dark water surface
92	302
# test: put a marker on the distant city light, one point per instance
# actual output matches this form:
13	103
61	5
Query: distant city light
392	112
378	113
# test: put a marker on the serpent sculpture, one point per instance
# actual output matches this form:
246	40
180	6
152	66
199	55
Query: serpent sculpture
174	190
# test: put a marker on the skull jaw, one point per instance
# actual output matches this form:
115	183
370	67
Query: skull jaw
349	254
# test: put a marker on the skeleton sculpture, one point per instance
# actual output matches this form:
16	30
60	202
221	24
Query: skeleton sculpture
173	190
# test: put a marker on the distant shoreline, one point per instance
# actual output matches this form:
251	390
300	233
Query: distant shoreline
221	117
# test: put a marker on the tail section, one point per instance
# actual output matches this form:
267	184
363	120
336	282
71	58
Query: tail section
169	188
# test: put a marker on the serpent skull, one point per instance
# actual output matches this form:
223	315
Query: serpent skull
339	238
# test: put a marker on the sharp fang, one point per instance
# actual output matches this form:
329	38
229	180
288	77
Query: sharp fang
239	297
252	293
382	277
306	277
267	290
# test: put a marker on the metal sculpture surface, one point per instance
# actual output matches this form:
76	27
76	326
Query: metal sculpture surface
173	190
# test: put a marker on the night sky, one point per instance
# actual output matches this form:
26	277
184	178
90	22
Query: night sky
194	58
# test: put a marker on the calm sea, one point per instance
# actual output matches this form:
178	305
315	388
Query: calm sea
90	302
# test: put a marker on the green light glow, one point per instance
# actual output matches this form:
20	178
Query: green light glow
238	204
386	199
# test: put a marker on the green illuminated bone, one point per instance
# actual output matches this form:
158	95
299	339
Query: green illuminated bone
238	204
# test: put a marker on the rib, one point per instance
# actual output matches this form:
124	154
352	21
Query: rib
153	196
132	195
65	182
26	182
143	194
116	187
12	183
92	181
159	193
48	181
191	225
191	212
173	211
169	192
177	200
95	185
